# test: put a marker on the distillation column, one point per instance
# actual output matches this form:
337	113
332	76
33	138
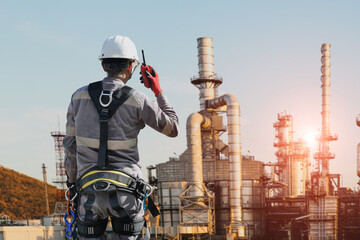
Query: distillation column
325	114
197	216
284	135
323	156
293	158
323	209
201	139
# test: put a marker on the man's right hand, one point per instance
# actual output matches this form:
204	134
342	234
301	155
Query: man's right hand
150	79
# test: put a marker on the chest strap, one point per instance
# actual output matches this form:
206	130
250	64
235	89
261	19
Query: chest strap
106	103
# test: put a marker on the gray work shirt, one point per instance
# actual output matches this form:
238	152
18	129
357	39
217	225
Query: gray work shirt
81	142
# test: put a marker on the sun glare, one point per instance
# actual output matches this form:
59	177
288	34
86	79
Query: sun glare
310	138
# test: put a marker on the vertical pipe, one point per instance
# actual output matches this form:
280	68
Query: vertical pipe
325	114
170	203
193	131
233	119
206	69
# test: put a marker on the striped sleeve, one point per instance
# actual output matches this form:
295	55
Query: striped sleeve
160	116
70	146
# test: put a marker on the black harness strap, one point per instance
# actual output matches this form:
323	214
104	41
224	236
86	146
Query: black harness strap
114	202
124	224
89	216
105	113
152	208
92	229
124	227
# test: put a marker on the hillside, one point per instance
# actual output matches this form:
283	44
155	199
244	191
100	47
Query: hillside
22	196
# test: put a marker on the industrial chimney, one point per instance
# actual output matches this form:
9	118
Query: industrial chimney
206	81
323	156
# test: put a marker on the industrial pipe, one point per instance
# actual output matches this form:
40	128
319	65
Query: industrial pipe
206	70
193	133
205	57
233	119
325	113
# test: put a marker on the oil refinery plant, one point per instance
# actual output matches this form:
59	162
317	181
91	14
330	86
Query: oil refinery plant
211	191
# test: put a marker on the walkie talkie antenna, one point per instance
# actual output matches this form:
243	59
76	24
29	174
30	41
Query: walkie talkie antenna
143	55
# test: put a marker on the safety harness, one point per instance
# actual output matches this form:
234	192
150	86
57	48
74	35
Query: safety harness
105	178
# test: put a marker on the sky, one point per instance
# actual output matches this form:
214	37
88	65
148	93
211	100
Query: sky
268	53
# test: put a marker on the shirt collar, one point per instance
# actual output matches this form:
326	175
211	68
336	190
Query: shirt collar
112	84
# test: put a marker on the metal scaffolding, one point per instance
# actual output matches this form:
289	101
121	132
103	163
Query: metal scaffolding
60	181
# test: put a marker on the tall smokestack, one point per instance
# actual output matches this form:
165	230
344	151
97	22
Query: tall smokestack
323	156
206	81
205	57
325	114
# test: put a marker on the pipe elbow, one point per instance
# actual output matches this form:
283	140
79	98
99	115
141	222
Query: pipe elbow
226	99
199	120
230	99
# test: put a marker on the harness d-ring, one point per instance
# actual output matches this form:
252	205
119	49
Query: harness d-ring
95	186
148	186
69	231
106	93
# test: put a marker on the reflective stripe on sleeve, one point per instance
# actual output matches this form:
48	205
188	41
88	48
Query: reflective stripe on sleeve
168	127
81	95
112	144
70	131
132	101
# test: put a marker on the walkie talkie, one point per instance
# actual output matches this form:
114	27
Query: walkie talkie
146	72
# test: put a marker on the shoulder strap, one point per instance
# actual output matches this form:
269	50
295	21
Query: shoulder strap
94	90
114	100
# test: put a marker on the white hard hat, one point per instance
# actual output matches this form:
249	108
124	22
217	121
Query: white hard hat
119	47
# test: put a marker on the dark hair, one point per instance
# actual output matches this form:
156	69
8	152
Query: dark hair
115	66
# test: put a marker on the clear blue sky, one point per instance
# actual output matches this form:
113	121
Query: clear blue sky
268	53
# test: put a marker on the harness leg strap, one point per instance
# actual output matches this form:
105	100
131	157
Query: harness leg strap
92	230
126	226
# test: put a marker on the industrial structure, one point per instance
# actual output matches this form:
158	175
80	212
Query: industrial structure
46	191
291	172
60	181
212	191
323	206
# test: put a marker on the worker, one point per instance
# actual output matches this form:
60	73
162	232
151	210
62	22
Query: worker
101	143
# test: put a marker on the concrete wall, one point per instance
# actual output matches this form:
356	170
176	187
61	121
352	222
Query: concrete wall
32	233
